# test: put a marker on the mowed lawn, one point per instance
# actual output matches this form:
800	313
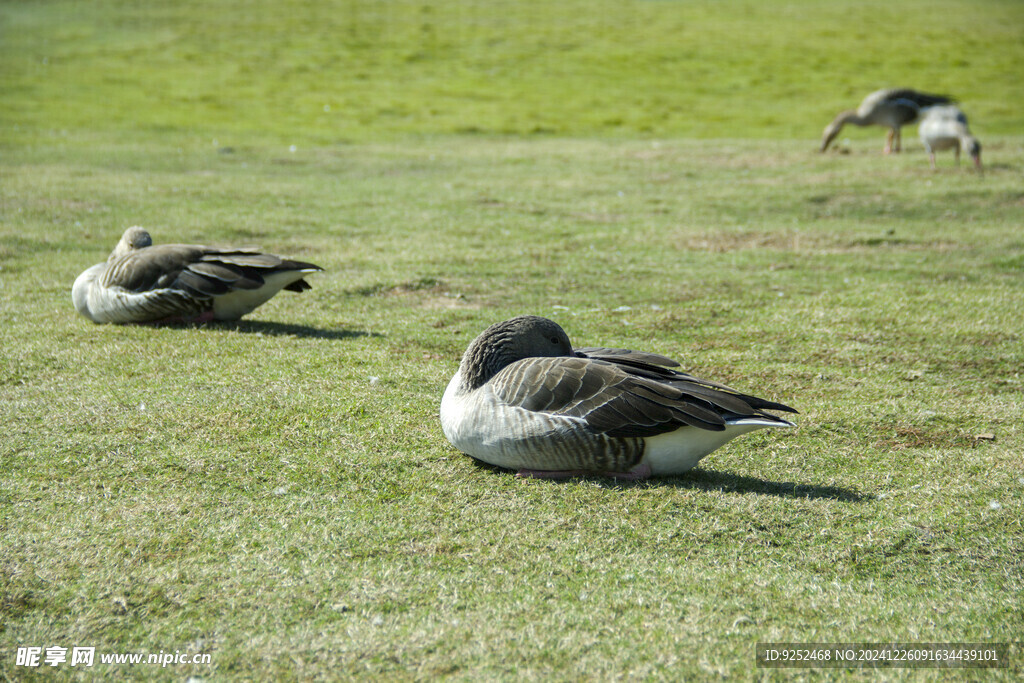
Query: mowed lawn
277	493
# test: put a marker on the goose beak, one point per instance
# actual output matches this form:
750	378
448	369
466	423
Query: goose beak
977	165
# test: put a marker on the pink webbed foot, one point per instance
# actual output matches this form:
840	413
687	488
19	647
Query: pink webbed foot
638	473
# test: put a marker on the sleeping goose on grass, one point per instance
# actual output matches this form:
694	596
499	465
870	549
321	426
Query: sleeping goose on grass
524	399
142	283
891	108
946	128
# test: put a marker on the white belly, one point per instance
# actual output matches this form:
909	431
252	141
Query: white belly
235	304
680	451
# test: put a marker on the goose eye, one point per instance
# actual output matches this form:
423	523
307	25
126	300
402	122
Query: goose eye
554	340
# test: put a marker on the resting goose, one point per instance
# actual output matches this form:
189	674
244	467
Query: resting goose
524	399
945	128
892	108
141	283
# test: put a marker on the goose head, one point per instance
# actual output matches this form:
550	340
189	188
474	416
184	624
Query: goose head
501	344
133	238
831	131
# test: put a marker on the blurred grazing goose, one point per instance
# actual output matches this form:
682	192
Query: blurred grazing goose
892	108
945	128
142	283
524	399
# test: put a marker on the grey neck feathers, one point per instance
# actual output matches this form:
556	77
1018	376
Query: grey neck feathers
485	357
849	116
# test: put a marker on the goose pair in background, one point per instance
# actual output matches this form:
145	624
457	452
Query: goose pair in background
524	399
945	127
143	283
892	108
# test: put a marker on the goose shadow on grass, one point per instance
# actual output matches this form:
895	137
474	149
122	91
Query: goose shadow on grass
272	329
713	480
727	482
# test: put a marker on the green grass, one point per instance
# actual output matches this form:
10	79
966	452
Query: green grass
328	72
278	492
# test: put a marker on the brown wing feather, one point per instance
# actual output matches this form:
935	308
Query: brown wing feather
151	268
201	272
620	399
257	260
244	259
627	355
654	366
208	279
921	99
